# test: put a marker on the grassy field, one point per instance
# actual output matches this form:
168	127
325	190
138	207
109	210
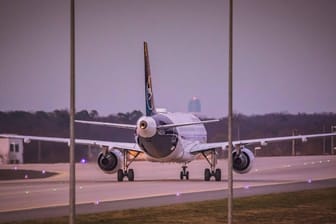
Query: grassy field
308	207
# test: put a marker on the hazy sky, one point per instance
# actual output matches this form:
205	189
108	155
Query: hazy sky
284	55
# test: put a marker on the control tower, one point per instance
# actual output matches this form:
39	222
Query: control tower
194	105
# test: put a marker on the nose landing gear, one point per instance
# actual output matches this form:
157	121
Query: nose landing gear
184	172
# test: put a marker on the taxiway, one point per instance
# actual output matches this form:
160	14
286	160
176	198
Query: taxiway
155	184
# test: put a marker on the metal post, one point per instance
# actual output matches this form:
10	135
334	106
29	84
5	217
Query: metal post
90	152
238	132
333	128
39	151
72	177
230	176
324	141
293	143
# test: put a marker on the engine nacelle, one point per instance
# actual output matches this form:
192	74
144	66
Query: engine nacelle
243	162
111	161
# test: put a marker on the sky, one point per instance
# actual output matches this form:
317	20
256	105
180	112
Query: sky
284	55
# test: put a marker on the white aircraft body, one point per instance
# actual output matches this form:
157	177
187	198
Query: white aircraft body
166	137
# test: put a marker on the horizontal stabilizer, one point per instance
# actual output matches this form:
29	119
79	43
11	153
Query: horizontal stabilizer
185	124
133	126
125	126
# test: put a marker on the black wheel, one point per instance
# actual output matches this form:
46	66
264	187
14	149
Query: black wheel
207	174
181	175
187	175
130	175
218	175
120	175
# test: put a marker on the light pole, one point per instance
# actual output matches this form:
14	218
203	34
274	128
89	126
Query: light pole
72	165
230	112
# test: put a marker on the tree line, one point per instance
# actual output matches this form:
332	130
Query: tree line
56	124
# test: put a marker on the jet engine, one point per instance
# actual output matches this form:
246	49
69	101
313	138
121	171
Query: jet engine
243	161
111	161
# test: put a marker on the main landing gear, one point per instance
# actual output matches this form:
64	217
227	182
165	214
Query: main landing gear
208	173
129	173
212	172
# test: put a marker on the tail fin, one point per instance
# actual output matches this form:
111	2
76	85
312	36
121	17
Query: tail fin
150	108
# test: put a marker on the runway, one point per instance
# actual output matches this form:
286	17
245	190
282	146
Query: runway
155	184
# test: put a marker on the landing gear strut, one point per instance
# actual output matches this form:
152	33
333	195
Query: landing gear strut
184	172
212	172
129	173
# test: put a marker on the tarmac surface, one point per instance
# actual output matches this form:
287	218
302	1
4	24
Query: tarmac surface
155	184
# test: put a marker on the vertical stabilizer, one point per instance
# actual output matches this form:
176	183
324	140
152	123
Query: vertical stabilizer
150	108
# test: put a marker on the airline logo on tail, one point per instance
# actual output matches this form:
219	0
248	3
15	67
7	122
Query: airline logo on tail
150	108
149	93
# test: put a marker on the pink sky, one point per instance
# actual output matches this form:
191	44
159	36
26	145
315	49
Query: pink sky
284	55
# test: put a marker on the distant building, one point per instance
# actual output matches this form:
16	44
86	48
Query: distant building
194	105
11	151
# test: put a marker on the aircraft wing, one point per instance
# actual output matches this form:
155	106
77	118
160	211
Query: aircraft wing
110	144
133	126
202	147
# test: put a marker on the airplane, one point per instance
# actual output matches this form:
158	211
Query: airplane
167	137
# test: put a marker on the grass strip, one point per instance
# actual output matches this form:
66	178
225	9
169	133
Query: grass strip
11	174
309	207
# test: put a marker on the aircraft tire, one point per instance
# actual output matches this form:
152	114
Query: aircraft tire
218	175
207	174
130	175
120	175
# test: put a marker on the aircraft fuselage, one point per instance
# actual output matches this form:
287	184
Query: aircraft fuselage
172	144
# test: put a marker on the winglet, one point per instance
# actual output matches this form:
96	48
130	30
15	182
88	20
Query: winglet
150	107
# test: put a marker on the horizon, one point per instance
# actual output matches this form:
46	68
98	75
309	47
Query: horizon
197	114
